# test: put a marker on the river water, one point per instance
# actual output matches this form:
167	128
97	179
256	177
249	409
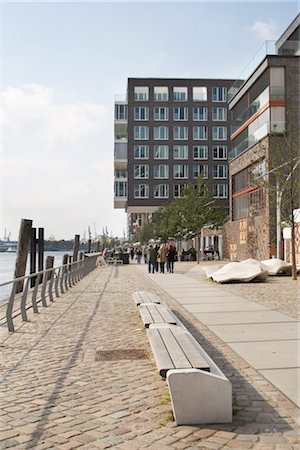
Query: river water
7	268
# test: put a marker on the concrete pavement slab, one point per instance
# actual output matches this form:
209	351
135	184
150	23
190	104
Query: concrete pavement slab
269	354
226	307
255	332
287	380
241	317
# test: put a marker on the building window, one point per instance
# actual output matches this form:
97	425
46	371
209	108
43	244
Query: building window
257	201
220	190
141	133
180	152
161	171
161	152
219	152
240	207
219	133
161	113
121	189
178	190
200	169
181	171
120	173
141	93
240	181
200	94
180	113
180	133
219	114
161	133
161	93
161	191
141	171
200	152
200	113
141	113
141	152
220	171
180	94
200	133
141	191
219	94
121	112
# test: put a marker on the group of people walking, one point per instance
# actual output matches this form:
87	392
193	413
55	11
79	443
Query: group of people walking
161	257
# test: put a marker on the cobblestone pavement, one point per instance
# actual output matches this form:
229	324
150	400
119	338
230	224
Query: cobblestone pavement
57	394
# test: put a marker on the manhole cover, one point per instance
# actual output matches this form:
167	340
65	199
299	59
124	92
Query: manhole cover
117	355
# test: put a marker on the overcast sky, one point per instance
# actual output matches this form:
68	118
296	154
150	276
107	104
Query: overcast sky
63	64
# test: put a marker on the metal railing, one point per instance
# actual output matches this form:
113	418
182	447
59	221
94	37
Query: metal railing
49	283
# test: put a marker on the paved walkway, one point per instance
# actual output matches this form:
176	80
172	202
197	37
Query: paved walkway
67	383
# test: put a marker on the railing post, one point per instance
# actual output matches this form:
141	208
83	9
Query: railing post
10	324
43	291
23	301
50	285
34	295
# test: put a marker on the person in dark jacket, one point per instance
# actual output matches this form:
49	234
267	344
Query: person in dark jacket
171	257
151	257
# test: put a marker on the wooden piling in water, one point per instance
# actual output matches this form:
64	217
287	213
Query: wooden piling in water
32	268
76	247
22	251
49	265
41	250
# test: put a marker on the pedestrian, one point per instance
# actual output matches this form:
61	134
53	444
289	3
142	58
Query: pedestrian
139	255
171	257
157	259
151	257
131	253
162	252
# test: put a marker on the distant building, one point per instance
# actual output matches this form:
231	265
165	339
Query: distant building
167	133
265	106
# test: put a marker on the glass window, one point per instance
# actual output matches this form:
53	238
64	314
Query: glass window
240	207
161	113
141	93
121	189
141	113
161	191
200	152
141	191
220	171
178	190
219	133
180	152
219	114
121	112
161	171
161	133
240	181
141	152
141	133
180	171
141	171
161	93
200	113
120	173
219	152
180	133
200	169
257	201
219	94
220	190
200	93
161	151
200	133
180	94
180	113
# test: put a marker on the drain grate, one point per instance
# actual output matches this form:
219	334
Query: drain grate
118	355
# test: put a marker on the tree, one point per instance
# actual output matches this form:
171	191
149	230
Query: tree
184	217
282	181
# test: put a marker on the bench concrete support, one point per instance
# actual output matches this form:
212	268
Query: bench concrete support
199	397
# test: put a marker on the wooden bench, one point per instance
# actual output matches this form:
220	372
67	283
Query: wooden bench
152	313
200	392
173	348
114	261
145	297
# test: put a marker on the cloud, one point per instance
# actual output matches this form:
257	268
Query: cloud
265	31
57	162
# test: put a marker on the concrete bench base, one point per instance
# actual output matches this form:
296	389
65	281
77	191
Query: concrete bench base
199	397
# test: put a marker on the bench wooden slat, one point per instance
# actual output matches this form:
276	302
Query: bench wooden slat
161	355
177	356
155	313
145	297
192	353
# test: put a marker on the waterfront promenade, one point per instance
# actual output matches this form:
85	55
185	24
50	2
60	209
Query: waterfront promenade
66	382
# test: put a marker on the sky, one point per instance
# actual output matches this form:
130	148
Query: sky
63	63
